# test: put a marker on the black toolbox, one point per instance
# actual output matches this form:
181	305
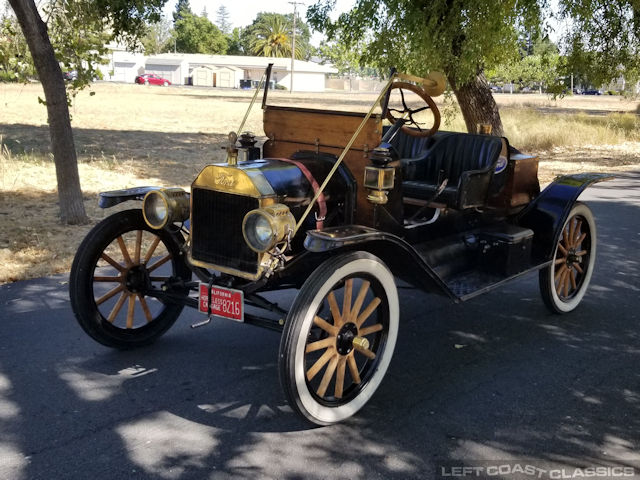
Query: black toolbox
505	250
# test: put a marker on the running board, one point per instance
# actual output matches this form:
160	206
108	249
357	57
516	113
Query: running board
470	284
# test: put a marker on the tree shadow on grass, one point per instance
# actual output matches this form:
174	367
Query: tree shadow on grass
94	144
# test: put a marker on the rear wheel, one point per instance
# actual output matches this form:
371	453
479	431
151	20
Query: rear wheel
564	283
117	264
343	322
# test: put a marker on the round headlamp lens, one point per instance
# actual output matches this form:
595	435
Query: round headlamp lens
258	231
263	231
155	210
265	227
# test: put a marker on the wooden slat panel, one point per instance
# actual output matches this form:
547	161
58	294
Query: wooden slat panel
330	129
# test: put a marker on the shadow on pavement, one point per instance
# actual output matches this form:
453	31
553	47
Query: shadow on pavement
495	379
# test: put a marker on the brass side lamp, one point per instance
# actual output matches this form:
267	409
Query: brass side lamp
379	177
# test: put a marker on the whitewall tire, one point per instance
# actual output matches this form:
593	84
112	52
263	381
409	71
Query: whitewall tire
564	283
339	337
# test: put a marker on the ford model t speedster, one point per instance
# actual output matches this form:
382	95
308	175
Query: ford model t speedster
336	205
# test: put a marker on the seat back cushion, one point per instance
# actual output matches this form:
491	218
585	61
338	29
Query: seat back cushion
460	152
414	152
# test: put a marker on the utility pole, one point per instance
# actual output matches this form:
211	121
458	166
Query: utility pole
572	84
293	39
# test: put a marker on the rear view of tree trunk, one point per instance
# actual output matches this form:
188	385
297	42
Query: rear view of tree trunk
62	145
477	104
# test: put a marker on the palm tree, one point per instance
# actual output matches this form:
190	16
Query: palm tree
272	38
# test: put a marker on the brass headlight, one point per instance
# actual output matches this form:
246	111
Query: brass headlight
165	206
264	228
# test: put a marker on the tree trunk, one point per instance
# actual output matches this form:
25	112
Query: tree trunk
62	146
477	104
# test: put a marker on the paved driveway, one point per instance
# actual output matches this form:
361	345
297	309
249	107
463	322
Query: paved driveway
496	383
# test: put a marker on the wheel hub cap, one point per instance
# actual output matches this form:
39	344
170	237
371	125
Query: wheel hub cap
344	340
137	279
572	258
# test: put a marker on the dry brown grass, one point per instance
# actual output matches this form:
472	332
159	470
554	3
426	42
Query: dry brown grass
128	135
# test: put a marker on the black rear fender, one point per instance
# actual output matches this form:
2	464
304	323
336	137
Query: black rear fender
549	211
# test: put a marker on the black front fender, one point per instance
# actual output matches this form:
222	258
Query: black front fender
114	197
403	260
549	211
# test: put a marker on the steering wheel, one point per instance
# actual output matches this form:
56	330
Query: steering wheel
406	114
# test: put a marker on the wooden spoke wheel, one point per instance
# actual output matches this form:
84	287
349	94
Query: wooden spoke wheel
564	283
117	264
339	337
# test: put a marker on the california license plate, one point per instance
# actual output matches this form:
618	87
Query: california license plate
225	302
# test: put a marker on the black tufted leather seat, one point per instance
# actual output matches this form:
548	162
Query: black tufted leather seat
467	161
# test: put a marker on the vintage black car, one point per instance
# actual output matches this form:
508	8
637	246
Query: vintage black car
337	205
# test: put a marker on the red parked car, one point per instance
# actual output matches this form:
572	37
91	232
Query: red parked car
151	79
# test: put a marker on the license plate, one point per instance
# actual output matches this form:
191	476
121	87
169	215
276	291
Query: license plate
225	302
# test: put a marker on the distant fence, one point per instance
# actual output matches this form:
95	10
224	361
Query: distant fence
353	84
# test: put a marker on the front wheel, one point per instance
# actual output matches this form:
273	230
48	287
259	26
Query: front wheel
119	262
564	283
343	322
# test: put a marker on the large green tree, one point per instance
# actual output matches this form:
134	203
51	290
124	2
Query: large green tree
196	34
462	38
125	19
458	37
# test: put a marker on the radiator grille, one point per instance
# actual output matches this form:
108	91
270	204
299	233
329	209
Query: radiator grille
216	230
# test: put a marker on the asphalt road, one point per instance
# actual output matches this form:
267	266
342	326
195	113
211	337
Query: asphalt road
492	384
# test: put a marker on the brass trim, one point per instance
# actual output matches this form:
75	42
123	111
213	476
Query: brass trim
230	271
166	206
235	180
281	221
177	204
378	197
361	343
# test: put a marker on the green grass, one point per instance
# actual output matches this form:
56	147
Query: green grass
531	130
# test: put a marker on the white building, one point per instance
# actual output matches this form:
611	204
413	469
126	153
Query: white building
216	70
123	66
176	70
